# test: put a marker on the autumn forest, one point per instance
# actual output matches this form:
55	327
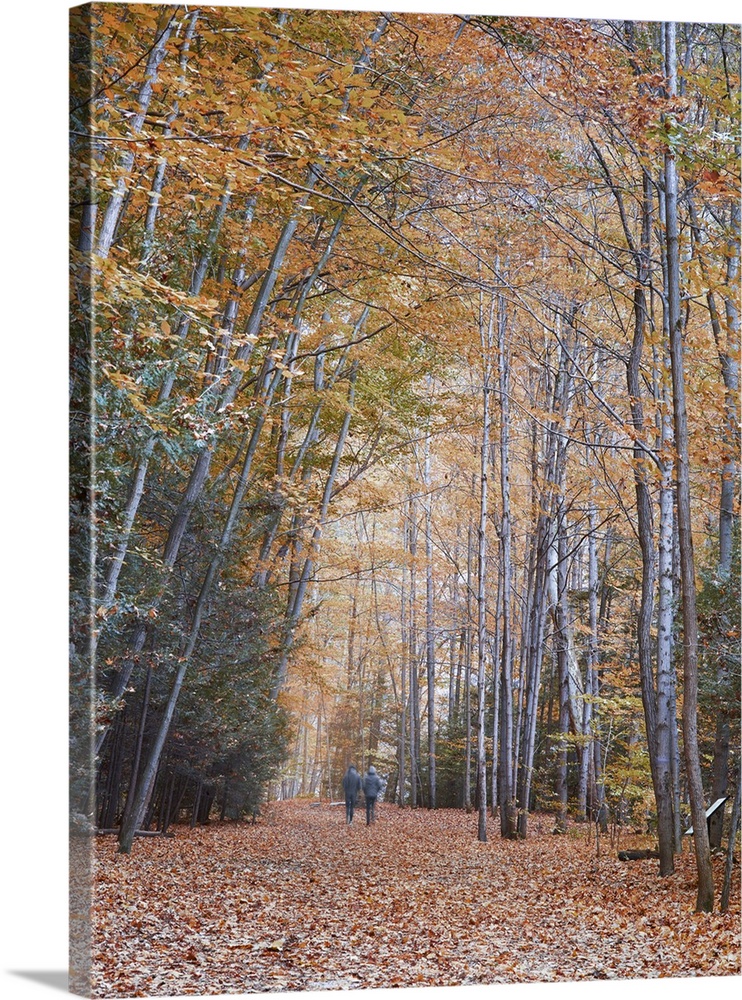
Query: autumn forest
405	433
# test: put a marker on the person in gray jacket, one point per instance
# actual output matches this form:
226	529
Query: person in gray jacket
351	788
372	784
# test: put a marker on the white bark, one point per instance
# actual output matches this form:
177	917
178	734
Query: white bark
486	336
705	895
126	162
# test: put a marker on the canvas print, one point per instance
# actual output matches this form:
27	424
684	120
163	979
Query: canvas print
405	536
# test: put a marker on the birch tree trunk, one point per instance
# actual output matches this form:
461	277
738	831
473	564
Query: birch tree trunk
486	337
158	180
664	739
705	895
116	200
404	669
659	755
729	357
561	614
587	754
508	817
429	620
412	660
534	658
468	667
666	721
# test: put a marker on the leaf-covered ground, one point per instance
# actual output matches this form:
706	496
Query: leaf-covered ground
300	901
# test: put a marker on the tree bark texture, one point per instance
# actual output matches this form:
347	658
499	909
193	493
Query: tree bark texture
705	895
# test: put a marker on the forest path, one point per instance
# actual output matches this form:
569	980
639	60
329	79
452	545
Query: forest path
300	901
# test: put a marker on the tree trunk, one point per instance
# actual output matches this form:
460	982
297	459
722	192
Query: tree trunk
659	756
468	667
730	373
666	733
508	825
412	659
485	332
587	755
429	621
403	669
705	896
116	200
733	825
561	614
138	749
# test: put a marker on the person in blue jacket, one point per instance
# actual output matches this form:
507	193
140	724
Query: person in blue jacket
351	788
372	785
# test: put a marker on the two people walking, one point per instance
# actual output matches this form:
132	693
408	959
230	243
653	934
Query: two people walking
371	784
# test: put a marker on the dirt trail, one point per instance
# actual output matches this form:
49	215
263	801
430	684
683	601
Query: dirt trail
300	901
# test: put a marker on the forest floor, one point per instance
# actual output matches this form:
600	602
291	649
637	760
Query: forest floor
299	901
